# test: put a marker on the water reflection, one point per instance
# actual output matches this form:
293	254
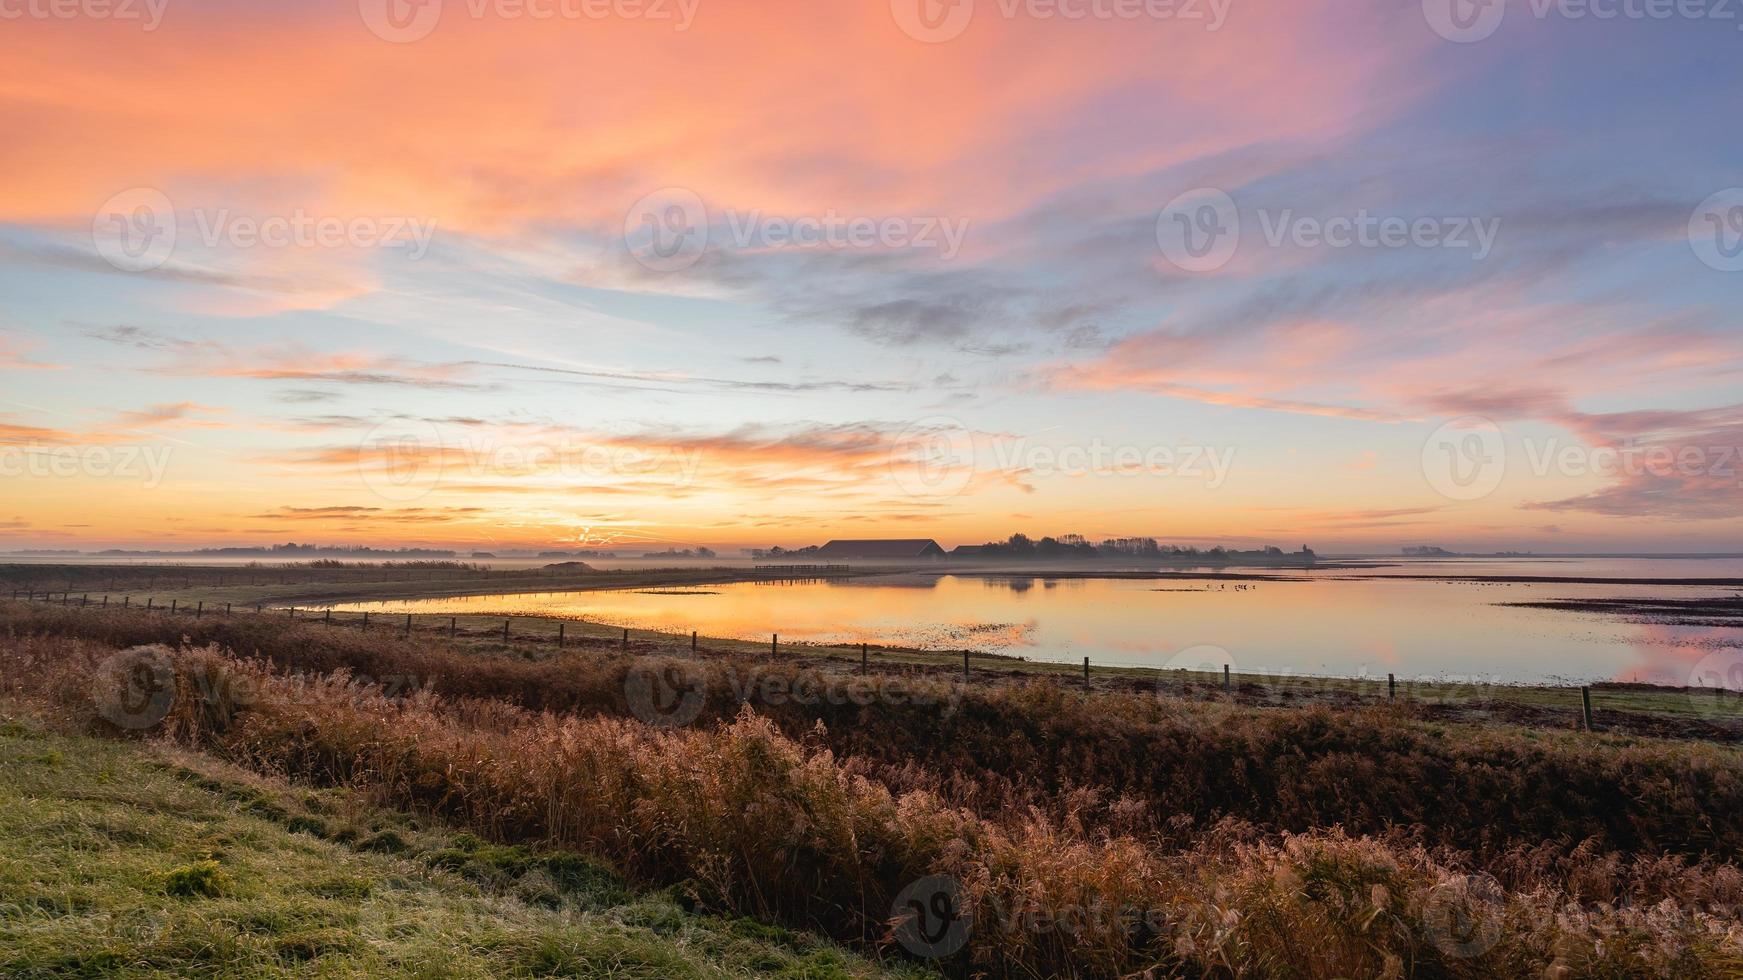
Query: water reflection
1309	625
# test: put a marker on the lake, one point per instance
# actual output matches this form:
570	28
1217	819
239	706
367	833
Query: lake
1335	623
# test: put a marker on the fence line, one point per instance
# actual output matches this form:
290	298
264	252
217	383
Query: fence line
407	629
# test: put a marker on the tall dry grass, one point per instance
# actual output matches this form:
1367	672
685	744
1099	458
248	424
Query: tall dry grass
1161	768
752	820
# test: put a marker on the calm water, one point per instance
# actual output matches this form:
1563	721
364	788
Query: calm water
1327	623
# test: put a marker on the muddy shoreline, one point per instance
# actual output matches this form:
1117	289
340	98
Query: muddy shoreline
1712	611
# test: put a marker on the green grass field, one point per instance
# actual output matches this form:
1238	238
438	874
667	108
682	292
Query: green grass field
131	860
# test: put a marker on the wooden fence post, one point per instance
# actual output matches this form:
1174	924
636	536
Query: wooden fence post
774	644
864	657
200	610
408	624
965	665
562	628
365	622
1226	687
1086	673
172	606
1391	688
453	627
505	630
1586	706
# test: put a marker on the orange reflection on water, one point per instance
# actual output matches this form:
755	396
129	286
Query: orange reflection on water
1332	626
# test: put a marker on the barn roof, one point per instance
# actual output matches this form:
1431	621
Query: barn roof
881	548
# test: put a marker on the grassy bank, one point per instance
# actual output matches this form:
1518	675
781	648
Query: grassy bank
1037	812
1160	766
122	860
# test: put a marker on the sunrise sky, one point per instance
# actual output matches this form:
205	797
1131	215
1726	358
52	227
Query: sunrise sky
755	272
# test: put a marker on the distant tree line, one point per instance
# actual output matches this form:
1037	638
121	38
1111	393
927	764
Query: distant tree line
1021	547
292	549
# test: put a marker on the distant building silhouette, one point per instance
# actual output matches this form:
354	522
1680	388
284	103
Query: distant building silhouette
888	549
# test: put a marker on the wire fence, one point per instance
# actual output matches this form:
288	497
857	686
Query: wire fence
565	633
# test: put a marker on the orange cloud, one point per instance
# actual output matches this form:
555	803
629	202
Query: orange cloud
175	415
497	126
13	358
